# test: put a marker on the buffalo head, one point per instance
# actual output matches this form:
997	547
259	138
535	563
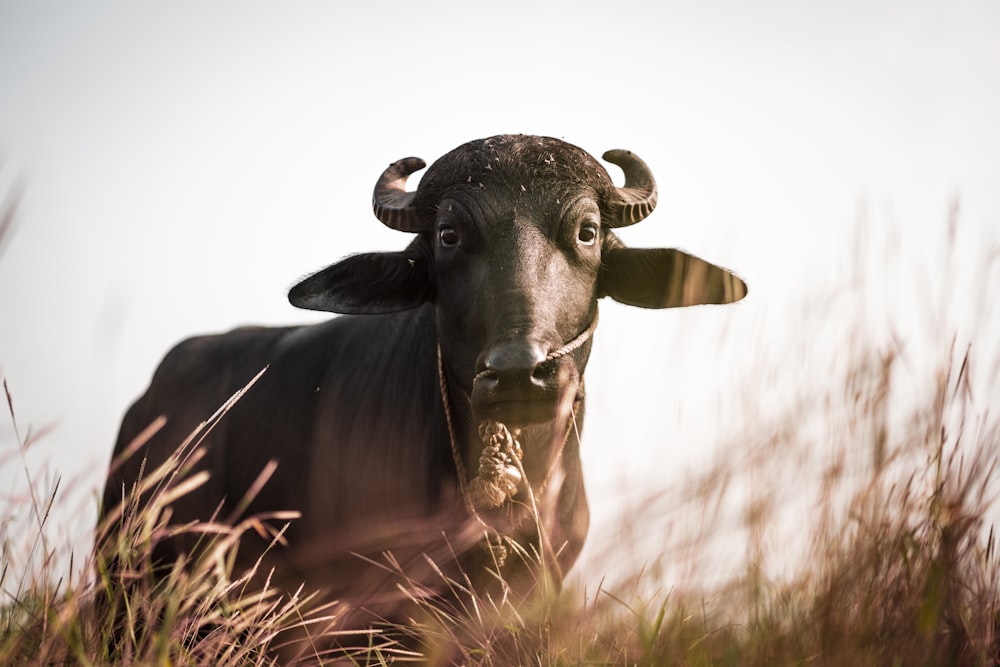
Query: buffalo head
514	246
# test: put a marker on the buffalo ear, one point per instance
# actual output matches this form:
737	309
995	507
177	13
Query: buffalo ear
367	284
665	278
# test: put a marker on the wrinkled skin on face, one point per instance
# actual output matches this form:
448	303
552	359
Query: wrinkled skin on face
516	256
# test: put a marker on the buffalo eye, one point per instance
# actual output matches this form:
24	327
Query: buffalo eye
587	234
447	236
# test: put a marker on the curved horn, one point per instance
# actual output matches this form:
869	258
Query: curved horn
638	197
392	203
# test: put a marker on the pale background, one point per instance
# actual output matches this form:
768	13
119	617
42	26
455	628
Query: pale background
184	163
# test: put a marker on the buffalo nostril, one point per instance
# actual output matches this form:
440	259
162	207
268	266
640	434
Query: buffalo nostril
488	376
514	364
543	371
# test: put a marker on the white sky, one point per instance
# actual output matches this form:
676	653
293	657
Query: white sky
186	162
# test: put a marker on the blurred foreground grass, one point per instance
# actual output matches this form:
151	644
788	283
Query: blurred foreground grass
900	567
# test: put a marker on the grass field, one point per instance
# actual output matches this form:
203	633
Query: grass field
900	567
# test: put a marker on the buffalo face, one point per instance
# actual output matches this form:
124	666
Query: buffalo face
514	247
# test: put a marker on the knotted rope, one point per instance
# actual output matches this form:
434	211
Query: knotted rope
501	471
498	476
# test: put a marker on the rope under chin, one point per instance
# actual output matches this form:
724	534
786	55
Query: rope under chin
501	471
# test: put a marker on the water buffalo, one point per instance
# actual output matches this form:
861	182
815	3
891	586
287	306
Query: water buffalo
441	413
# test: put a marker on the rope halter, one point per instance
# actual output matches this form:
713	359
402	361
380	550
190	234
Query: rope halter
500	472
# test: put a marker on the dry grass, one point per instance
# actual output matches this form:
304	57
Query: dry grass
196	611
898	562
